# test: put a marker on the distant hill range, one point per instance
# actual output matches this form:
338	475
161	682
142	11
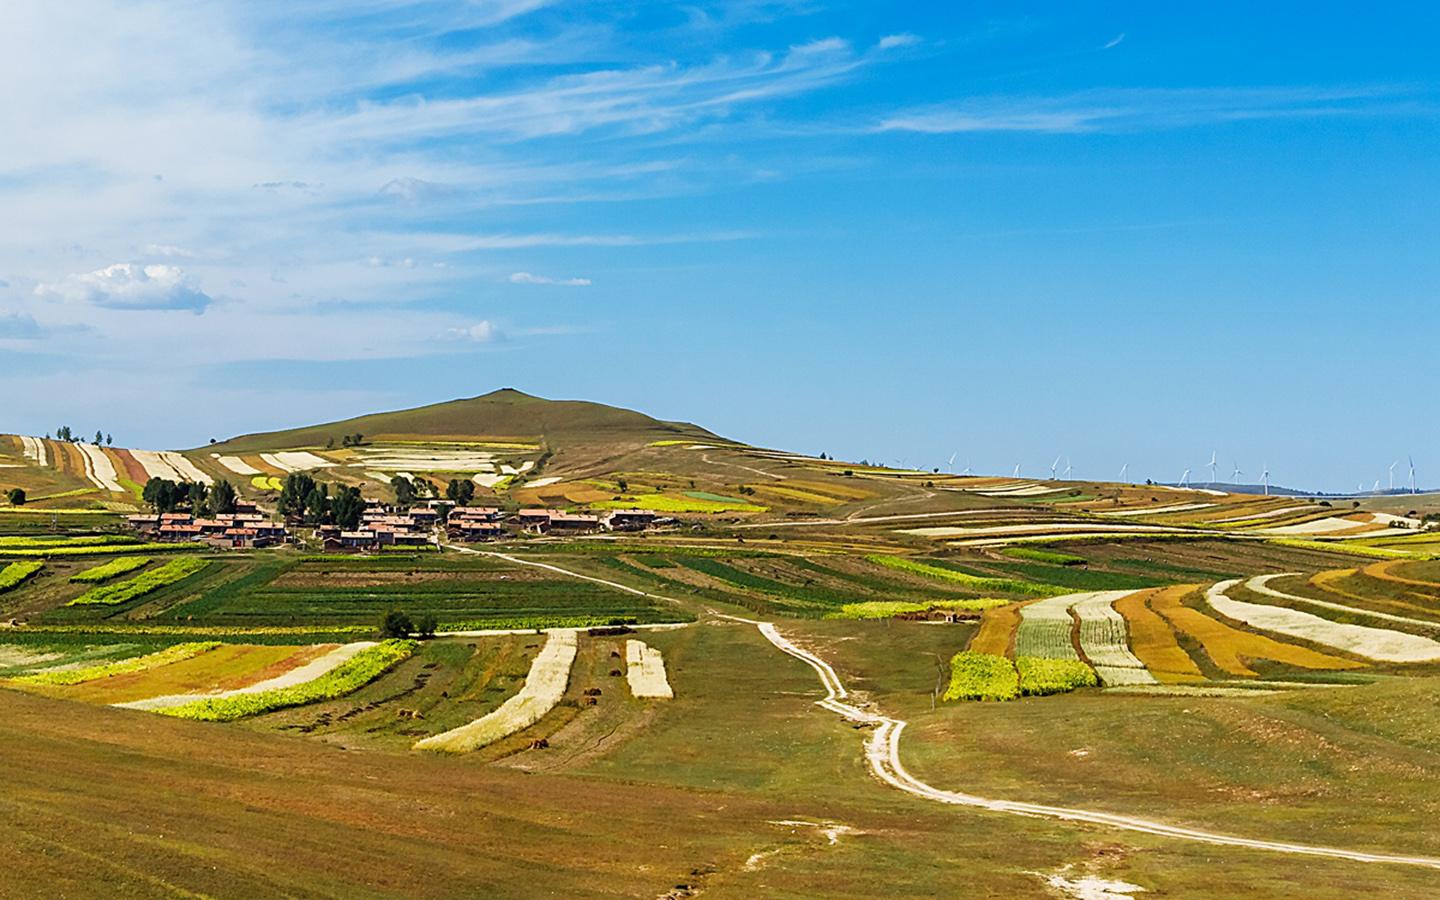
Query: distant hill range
1277	490
506	413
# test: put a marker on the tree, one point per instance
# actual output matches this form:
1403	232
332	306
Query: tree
196	495
404	490
330	443
347	507
460	491
622	484
162	495
110	440
16	496
317	504
426	624
396	624
294	493
223	497
99	438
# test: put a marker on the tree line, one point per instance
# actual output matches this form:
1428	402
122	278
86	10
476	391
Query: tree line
165	496
312	502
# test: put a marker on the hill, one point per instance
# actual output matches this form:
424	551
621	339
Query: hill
502	414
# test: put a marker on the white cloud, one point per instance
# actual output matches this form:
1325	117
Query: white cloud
482	332
1115	41
527	278
903	39
130	286
18	326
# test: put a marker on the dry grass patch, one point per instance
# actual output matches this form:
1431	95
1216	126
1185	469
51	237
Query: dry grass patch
1153	640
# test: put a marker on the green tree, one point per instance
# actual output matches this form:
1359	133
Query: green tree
426	624
396	624
99	438
109	440
347	507
460	491
404	490
16	496
295	493
317	504
162	495
223	497
197	496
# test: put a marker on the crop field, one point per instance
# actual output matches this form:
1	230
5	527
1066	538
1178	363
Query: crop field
981	676
123	565
1232	651
173	572
544	686
1046	628
1105	641
1154	642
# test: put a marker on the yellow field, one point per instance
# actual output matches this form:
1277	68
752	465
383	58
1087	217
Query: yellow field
1153	641
1385	572
225	668
996	634
788	493
1230	648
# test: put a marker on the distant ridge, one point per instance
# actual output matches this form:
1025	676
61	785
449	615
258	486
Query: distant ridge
506	413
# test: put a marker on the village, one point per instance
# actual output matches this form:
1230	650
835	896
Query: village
385	525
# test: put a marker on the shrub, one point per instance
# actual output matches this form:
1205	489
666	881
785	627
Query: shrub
113	594
1039	676
980	676
396	624
16	496
105	571
13	575
356	672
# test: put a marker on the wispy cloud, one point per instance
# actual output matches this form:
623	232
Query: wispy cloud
1115	41
528	278
1140	109
893	41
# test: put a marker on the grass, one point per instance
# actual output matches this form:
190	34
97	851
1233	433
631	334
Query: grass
359	670
981	676
1039	676
173	572
107	570
972	582
17	573
177	653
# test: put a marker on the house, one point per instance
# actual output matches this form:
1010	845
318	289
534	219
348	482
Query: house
180	532
472	530
358	540
145	524
573	523
536	520
629	519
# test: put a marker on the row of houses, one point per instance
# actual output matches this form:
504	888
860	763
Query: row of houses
488	523
232	531
383	526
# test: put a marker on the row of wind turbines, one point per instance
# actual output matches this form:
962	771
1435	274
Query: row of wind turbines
1056	474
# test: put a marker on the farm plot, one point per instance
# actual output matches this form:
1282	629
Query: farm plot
99	469
225	668
1153	641
237	465
1233	650
312	670
296	461
68	676
462	595
1370	643
981	676
123	565
416	459
645	672
1046	627
17	573
544	686
1261	585
173	572
1104	639
34	449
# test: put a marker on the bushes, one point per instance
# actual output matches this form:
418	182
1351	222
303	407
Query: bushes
353	674
1039	677
972	582
980	676
13	575
177	653
113	594
105	571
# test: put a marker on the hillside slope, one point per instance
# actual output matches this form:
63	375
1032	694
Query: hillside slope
506	413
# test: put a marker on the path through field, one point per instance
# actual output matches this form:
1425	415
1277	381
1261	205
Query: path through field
882	754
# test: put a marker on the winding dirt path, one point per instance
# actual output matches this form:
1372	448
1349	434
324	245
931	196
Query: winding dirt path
882	753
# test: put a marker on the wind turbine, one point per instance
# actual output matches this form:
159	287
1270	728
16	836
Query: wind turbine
1213	454
1067	468
1413	489
1184	479
1123	469
1235	475
1392	475
951	464
1053	467
1017	470
1376	488
1265	477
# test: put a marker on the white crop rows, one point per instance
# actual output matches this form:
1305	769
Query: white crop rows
1372	643
296	461
645	670
544	686
99	469
237	465
1105	637
35	449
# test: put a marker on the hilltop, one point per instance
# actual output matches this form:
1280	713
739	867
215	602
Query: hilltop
503	414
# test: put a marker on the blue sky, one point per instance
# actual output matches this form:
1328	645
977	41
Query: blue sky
1114	232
